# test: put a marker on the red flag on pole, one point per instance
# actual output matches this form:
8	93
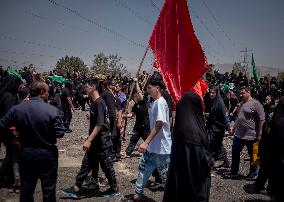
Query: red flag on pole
200	88
178	54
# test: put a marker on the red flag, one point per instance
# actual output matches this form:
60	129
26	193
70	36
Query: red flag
178	54
200	88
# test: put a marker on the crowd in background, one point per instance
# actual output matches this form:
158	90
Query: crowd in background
234	105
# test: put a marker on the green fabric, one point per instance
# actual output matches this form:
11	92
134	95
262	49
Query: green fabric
12	72
225	87
58	79
254	71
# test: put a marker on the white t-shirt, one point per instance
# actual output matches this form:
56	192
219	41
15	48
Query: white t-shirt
162	142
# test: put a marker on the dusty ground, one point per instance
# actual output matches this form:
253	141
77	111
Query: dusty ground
71	154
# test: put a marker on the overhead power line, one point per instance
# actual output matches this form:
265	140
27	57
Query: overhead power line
39	44
74	28
134	13
96	23
218	23
154	5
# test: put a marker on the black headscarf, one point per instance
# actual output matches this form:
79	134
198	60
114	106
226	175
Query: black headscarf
8	93
189	121
217	112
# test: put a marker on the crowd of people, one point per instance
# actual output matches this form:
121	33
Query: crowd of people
179	150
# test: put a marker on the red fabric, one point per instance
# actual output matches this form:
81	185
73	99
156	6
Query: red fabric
200	88
178	54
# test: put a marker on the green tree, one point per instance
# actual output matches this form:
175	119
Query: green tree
280	76
69	65
108	65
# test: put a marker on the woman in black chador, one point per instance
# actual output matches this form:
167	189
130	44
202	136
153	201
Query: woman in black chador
216	125
189	173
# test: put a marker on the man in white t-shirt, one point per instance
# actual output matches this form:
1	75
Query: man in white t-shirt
156	148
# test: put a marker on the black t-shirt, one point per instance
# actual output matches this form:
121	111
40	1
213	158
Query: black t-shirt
65	94
233	103
110	102
99	116
142	116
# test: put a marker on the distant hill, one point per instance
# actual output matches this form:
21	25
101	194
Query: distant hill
263	70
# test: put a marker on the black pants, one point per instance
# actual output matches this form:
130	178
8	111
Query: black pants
116	141
38	164
67	116
276	179
218	150
143	133
263	174
6	169
91	161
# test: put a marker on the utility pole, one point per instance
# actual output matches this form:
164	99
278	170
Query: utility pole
245	60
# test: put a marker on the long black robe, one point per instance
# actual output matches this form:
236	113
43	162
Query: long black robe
189	173
276	153
216	125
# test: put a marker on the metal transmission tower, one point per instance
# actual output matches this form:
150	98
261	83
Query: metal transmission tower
245	61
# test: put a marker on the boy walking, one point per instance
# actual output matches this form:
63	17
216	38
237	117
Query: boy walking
97	146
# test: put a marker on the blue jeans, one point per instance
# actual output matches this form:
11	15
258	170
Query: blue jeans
148	163
237	147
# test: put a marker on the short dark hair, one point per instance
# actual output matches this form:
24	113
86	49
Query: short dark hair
214	88
36	88
23	93
156	82
246	88
95	82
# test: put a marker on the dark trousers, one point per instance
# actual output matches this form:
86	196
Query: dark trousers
263	174
6	169
276	179
237	147
143	133
38	164
217	148
116	141
94	158
67	116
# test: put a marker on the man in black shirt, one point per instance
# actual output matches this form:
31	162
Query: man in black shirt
67	106
97	146
141	127
38	124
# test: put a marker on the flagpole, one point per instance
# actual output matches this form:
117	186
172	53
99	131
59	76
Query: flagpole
132	88
137	75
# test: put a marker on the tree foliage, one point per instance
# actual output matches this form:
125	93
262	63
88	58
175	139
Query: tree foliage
69	65
108	65
280	76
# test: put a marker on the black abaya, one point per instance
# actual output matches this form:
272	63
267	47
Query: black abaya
189	173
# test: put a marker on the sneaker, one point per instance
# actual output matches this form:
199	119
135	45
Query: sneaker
251	177
154	186
232	176
71	193
91	183
111	192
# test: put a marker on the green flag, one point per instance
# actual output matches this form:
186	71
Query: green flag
254	71
58	79
12	72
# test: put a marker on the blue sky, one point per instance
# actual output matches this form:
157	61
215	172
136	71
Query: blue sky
41	32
